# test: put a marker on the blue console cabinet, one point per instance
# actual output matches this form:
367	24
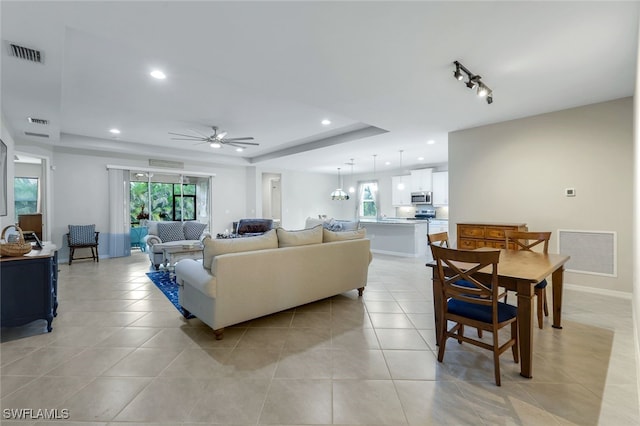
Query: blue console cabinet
29	287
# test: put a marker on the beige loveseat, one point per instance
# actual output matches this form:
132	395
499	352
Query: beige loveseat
245	278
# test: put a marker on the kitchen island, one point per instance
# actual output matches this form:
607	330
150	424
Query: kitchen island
398	237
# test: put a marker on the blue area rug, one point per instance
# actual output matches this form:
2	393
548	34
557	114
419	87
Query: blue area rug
169	287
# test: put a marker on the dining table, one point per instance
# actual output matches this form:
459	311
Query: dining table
519	271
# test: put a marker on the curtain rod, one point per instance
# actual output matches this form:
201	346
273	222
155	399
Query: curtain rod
166	171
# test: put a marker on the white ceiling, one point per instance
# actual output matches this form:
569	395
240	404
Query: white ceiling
274	70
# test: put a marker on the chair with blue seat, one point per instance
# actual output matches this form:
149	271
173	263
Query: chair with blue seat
526	240
441	239
474	303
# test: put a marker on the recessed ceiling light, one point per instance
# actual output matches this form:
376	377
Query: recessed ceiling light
326	122
420	158
215	145
114	131
430	142
239	149
158	74
387	163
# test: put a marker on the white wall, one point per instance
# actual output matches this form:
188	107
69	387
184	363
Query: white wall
6	137
636	214
517	171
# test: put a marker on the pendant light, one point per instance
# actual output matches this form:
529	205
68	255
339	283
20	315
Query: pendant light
401	185
352	189
339	194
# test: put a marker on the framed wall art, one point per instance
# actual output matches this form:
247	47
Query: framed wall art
3	178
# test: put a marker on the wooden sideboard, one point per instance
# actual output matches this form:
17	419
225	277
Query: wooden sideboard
472	235
29	287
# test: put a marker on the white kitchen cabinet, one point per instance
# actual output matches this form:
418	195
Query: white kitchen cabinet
401	197
421	180
440	196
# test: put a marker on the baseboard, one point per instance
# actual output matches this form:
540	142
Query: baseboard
394	253
602	291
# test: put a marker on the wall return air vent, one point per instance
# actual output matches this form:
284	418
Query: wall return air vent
42	121
39	135
25	53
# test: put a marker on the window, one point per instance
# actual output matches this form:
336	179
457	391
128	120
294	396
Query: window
368	192
26	190
162	201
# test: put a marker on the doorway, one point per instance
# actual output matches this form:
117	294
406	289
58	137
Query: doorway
272	197
30	194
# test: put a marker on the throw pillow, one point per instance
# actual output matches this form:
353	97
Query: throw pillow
349	225
193	230
152	227
213	248
312	222
170	231
82	234
299	238
330	236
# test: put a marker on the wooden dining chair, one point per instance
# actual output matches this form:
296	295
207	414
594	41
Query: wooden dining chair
476	305
441	239
525	240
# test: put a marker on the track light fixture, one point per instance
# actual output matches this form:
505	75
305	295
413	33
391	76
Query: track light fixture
473	81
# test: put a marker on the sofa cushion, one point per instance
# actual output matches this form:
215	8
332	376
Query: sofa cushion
152	227
312	222
170	231
330	236
302	237
218	246
193	230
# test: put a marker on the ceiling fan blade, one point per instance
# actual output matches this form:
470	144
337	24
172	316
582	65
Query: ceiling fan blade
234	143
187	136
185	139
238	139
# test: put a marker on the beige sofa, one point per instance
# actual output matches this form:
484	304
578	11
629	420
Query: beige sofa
251	277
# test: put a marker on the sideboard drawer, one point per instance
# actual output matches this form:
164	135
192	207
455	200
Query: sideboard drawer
471	232
467	244
495	233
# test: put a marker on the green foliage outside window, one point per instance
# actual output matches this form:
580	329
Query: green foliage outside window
368	206
26	195
165	201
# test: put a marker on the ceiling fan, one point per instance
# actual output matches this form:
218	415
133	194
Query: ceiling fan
216	140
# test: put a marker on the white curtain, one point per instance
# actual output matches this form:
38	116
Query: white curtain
119	223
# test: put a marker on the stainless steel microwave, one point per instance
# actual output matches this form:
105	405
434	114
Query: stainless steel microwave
421	198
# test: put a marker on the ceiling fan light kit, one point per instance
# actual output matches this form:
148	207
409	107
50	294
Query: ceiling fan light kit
216	140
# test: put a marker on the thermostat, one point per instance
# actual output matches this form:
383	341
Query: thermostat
570	192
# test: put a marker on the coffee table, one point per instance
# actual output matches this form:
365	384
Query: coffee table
172	254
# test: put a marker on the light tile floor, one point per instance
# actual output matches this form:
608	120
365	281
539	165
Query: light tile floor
120	353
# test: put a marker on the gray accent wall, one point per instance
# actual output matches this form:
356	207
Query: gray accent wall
517	171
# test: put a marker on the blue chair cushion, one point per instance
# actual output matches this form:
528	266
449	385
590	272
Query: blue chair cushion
82	234
542	284
480	312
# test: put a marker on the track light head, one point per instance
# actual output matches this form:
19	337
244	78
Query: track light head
490	99
482	90
457	74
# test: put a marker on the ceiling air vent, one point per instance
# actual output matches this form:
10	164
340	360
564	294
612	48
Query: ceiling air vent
25	53
38	121
40	135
